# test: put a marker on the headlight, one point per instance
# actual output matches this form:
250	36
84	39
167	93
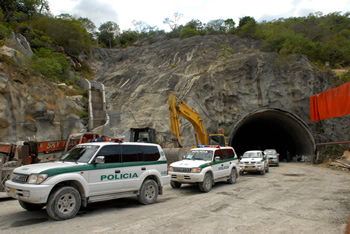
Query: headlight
36	178
170	168
196	170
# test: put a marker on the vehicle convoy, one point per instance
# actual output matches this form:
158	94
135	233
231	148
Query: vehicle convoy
272	156
254	161
204	166
28	152
91	172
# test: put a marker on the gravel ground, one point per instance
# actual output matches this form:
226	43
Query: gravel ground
292	198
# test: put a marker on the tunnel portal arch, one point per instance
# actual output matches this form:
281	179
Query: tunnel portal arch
271	128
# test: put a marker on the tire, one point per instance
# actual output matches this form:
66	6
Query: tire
268	169
233	177
148	192
278	164
63	203
207	183
262	172
241	173
30	206
175	184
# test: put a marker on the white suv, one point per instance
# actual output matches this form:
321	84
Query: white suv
205	166
91	172
254	160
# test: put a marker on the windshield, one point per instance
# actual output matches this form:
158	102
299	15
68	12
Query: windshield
206	155
80	153
251	155
270	152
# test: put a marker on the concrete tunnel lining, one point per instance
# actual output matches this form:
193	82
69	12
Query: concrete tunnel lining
271	128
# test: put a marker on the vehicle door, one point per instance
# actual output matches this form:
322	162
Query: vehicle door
133	166
218	165
106	177
227	157
264	159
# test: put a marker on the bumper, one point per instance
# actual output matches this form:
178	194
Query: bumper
31	193
273	161
187	177
165	180
252	168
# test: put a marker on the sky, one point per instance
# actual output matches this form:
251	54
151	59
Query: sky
153	12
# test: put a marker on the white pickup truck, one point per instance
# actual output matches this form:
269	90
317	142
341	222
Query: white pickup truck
91	172
204	166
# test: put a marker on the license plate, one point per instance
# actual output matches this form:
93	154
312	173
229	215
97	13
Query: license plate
12	192
250	166
270	161
180	177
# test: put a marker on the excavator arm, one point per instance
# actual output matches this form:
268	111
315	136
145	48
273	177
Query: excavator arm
179	108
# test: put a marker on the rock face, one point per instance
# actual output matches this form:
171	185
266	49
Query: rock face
32	108
224	78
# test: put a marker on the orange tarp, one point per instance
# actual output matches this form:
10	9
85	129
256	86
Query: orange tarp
331	103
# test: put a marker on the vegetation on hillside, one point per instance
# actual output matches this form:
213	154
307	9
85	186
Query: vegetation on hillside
324	39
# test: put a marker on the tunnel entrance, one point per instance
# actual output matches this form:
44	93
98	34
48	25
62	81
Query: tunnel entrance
273	129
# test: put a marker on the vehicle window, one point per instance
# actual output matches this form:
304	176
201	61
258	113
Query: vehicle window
150	153
227	154
270	152
80	153
131	153
206	155
252	155
111	153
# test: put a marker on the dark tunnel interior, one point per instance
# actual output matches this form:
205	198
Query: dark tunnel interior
273	129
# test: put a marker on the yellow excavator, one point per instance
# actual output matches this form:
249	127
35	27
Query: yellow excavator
179	108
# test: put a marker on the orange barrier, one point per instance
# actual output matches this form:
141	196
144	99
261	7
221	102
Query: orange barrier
331	103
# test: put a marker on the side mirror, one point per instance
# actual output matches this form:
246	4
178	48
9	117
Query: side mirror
217	158
100	159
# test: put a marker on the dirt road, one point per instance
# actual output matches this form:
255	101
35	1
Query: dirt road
292	198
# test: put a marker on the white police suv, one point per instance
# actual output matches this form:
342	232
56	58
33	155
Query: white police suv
254	160
204	166
91	172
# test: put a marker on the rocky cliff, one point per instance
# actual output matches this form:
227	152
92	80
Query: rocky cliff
229	81
32	108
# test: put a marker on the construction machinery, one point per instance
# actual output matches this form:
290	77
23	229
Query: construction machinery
179	108
27	152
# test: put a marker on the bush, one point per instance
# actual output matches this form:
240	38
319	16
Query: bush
188	32
52	65
4	32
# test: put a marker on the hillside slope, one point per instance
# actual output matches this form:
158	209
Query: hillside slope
224	78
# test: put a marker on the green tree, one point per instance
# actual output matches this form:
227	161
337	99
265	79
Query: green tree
108	32
229	25
247	27
216	26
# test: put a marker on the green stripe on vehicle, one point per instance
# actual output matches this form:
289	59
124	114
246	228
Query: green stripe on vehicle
91	167
218	162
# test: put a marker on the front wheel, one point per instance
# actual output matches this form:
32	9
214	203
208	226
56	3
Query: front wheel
233	177
207	183
268	169
30	206
148	192
175	184
63	203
